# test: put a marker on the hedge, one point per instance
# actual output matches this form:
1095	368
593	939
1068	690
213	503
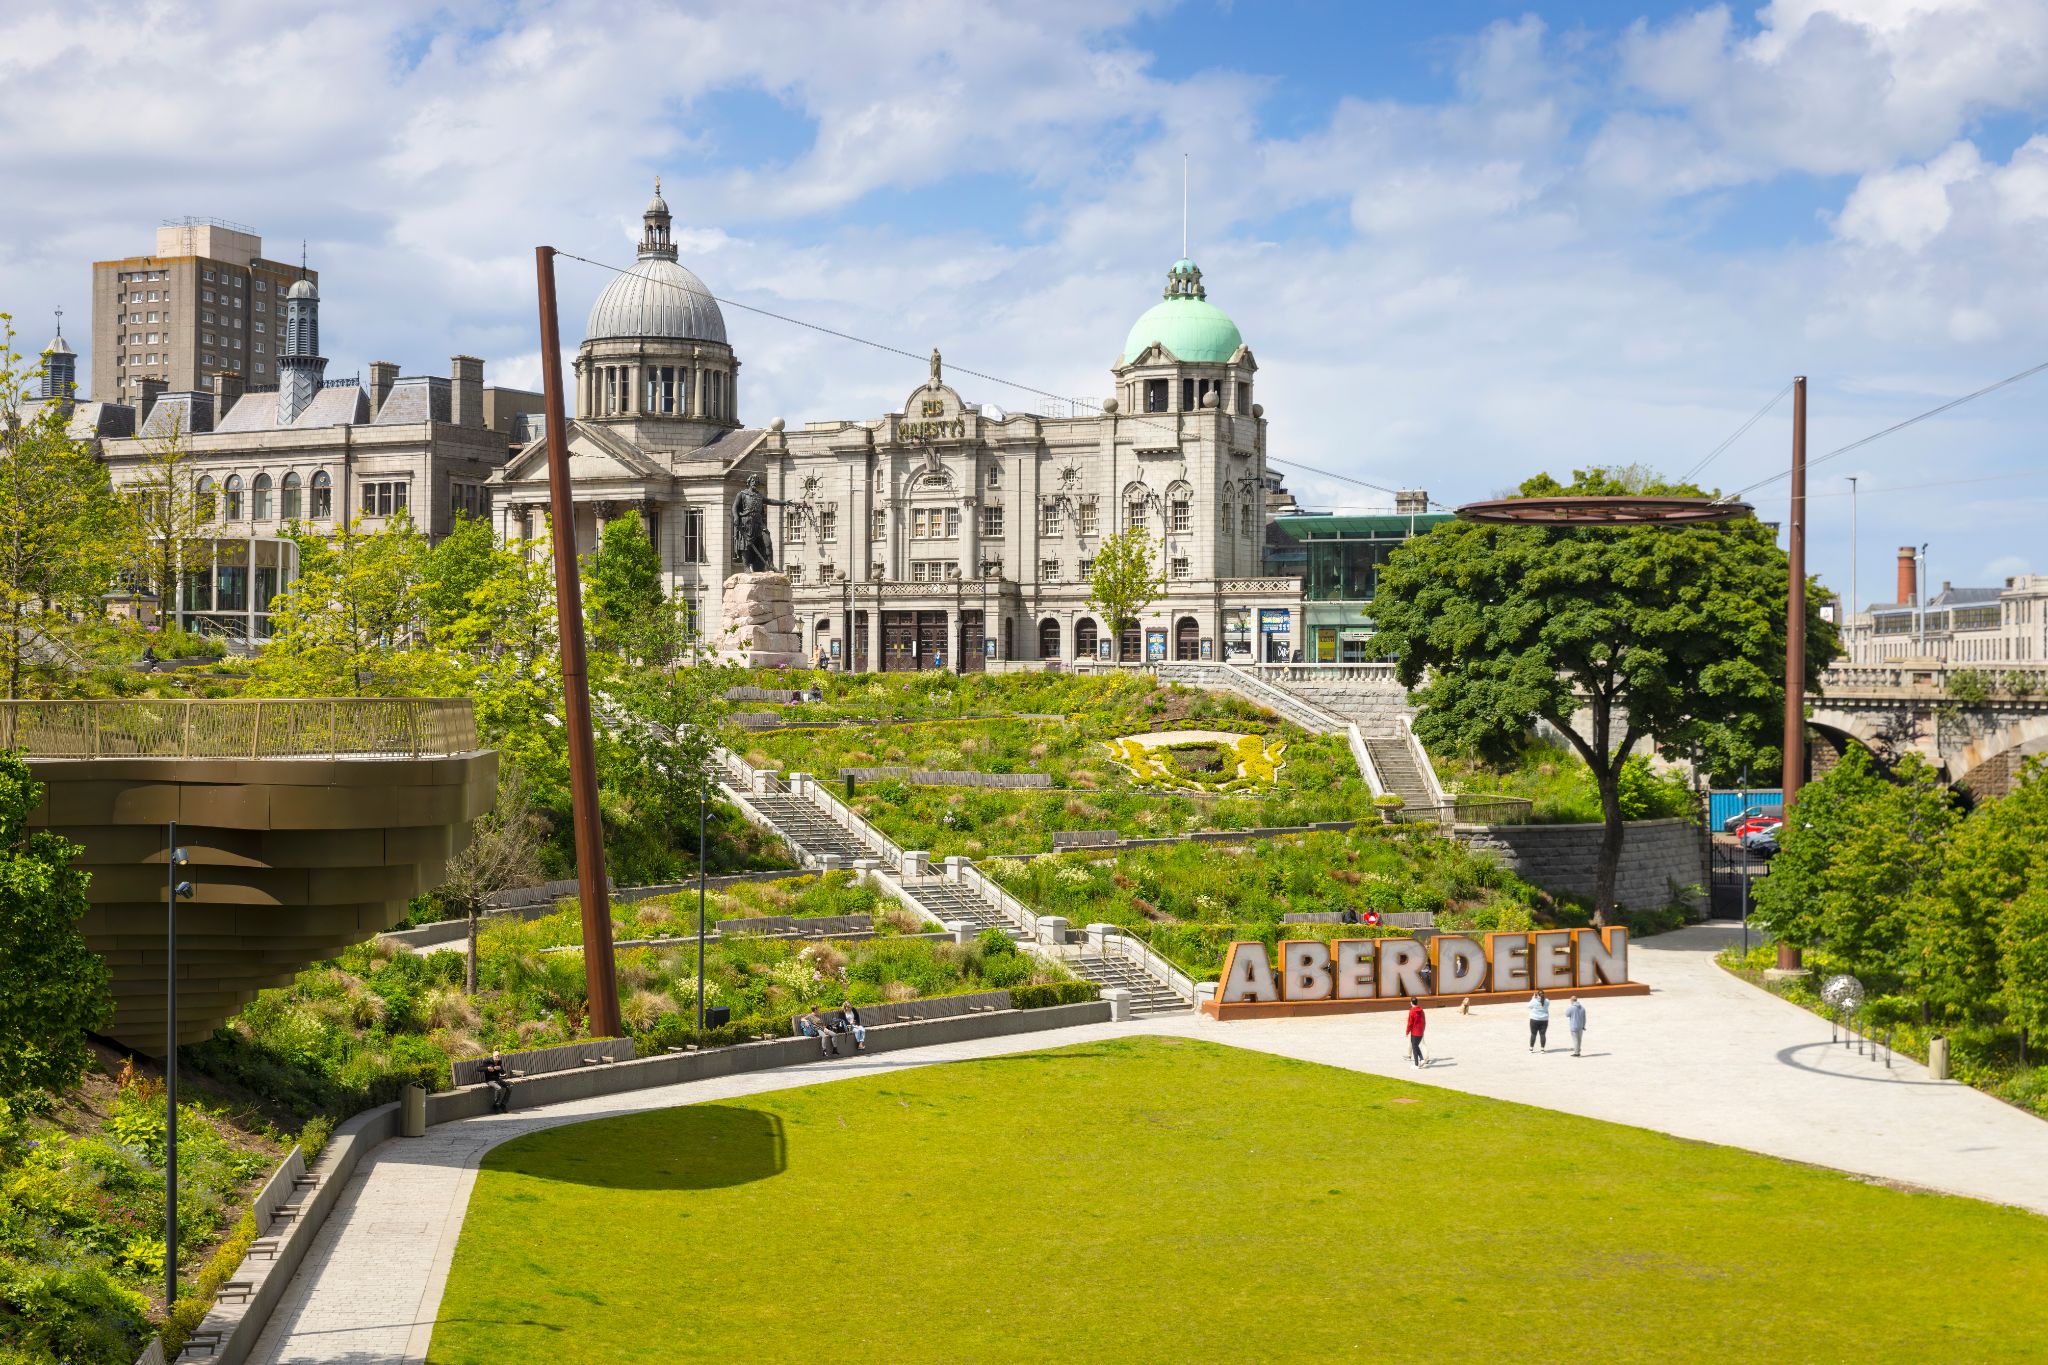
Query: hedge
1050	993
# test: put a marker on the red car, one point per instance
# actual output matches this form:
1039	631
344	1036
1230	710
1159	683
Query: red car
1757	823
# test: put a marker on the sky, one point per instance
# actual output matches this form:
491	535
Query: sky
1465	242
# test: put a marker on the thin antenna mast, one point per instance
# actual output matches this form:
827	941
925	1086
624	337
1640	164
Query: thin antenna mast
1183	205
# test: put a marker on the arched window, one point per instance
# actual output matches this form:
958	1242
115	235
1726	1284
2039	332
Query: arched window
1245	519
205	497
1180	507
1187	637
290	498
323	496
231	501
1049	639
1084	638
259	498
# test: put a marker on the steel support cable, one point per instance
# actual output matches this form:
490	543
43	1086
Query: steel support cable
1713	454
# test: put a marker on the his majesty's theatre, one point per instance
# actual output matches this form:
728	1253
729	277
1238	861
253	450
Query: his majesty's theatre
944	534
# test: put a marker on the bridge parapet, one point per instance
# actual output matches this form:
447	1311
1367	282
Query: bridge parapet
1927	680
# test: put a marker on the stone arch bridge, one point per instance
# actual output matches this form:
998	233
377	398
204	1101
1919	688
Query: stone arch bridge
1974	724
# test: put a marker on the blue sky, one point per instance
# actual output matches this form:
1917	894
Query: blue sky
1465	241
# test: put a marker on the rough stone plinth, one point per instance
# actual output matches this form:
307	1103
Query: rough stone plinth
759	615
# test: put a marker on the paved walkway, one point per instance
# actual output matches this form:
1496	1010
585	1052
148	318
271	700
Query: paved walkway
1704	1056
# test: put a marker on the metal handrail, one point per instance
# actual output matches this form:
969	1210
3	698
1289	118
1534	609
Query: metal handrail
352	727
1156	963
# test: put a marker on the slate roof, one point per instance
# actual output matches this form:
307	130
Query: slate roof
329	408
417	398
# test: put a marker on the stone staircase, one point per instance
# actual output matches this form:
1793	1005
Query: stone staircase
947	903
1395	763
801	822
1149	995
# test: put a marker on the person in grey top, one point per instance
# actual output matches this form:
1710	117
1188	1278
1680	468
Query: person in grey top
1575	1020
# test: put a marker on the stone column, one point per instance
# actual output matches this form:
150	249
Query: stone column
970	538
953	650
875	661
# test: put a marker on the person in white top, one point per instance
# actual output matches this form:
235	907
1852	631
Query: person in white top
1539	1022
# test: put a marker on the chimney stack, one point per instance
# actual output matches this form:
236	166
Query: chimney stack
383	374
1411	502
152	389
1909	579
227	389
468	375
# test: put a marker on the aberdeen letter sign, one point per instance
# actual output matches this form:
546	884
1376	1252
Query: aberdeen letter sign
1317	977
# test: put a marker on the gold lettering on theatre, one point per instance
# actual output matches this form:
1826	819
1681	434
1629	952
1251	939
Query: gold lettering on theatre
946	429
933	407
1317	976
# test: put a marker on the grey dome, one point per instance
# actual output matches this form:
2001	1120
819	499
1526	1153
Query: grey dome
59	346
303	289
656	298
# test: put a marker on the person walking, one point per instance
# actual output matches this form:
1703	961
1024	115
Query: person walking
1416	1024
1539	1022
494	1077
1575	1020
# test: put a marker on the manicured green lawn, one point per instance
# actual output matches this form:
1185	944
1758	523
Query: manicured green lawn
1167	1200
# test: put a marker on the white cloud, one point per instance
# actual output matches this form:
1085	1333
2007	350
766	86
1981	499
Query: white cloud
1907	207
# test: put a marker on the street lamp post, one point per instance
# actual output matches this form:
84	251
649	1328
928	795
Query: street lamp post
174	891
703	799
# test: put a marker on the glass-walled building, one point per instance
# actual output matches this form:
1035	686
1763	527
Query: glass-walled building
1341	559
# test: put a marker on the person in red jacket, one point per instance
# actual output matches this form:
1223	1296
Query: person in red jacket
1416	1024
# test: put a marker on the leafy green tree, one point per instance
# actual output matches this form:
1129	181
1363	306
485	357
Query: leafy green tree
1997	855
454	570
349	624
2023	963
52	988
1672	634
1125	581
628	609
63	534
167	518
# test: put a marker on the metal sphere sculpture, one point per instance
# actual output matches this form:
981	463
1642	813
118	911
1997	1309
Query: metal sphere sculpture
1843	992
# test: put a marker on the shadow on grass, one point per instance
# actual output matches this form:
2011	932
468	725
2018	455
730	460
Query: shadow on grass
692	1147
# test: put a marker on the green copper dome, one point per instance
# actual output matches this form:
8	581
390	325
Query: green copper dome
1185	322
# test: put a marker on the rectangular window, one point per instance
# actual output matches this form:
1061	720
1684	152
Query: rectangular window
1087	569
693	537
828	524
323	499
259	348
238	281
1087	519
917	524
1187	395
380	499
1135	516
1180	568
793	526
992	522
1244	399
261	368
262	286
1050	519
1155	395
879	525
206	275
206	296
1183	518
1048	571
825	572
152	296
952	523
259	327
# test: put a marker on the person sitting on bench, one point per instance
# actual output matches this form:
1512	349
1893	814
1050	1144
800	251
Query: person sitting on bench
848	1021
814	1026
494	1077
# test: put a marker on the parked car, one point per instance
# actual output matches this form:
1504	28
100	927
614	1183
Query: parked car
1757	823
1763	843
1728	826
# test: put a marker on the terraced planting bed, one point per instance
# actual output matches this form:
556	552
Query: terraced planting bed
1191	900
1277	774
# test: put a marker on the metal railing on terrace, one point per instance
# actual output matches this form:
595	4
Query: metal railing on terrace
342	727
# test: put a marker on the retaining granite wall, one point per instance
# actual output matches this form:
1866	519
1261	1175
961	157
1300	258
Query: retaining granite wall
1662	861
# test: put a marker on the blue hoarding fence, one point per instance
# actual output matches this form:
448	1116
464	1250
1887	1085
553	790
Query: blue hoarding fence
1723	804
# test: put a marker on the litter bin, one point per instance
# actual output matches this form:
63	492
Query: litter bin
412	1112
717	1016
1937	1057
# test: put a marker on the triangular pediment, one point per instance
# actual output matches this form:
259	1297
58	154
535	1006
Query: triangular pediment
595	455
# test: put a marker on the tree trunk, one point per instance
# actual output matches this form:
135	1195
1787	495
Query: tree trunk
1609	868
469	977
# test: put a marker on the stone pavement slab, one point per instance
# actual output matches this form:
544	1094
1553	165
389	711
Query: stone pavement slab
1704	1056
